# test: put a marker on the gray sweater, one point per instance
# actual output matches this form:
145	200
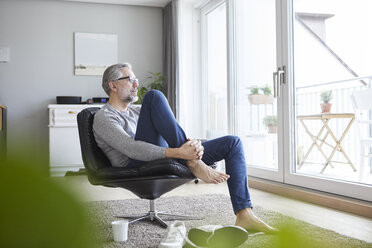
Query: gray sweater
114	132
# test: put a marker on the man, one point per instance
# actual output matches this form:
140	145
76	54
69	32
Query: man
129	135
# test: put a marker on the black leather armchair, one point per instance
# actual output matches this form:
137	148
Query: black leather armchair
148	181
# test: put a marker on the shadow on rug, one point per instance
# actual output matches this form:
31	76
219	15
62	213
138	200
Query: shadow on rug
216	209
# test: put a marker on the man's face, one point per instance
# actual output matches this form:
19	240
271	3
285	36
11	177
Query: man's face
126	88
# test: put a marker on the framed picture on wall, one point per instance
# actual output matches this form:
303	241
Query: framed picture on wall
94	52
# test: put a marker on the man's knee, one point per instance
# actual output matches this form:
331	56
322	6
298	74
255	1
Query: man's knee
154	94
232	144
232	138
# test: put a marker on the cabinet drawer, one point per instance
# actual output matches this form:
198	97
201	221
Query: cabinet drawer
63	117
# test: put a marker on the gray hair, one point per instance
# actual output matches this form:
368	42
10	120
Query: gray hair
111	74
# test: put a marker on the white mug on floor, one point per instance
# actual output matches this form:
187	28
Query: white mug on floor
120	230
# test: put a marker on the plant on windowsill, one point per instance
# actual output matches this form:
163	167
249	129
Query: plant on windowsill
325	98
271	123
153	82
256	98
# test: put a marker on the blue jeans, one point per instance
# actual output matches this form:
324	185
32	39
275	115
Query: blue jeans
157	125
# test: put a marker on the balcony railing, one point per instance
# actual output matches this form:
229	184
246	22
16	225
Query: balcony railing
307	101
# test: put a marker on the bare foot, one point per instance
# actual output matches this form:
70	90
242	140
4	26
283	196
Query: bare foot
245	218
206	173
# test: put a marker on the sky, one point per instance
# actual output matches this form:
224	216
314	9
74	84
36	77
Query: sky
349	32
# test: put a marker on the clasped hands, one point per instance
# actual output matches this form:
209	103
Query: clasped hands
192	150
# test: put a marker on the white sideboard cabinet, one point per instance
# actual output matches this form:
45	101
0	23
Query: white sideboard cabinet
64	143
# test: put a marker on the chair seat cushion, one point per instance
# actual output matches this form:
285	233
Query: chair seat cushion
366	141
161	167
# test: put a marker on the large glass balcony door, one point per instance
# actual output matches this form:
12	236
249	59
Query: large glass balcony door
330	44
256	121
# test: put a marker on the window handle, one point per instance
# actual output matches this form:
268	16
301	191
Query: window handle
278	80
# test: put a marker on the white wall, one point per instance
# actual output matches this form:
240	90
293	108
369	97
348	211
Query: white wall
40	37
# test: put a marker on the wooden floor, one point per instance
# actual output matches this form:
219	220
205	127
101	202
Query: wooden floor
343	223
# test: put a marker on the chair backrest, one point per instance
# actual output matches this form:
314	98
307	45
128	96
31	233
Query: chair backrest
362	99
92	155
362	103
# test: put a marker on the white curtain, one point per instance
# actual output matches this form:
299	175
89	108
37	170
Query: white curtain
190	111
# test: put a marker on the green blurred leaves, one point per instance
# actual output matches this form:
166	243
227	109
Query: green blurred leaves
154	82
291	237
35	212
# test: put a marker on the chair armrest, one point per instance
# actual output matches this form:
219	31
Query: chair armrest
365	121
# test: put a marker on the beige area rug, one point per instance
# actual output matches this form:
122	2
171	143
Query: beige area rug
216	209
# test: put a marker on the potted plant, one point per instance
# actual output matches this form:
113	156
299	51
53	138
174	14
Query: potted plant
154	82
271	123
266	90
141	94
325	98
256	98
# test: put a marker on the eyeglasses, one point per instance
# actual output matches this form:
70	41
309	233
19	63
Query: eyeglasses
131	79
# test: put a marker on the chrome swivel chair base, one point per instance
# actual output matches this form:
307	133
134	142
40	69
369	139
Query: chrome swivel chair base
154	215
